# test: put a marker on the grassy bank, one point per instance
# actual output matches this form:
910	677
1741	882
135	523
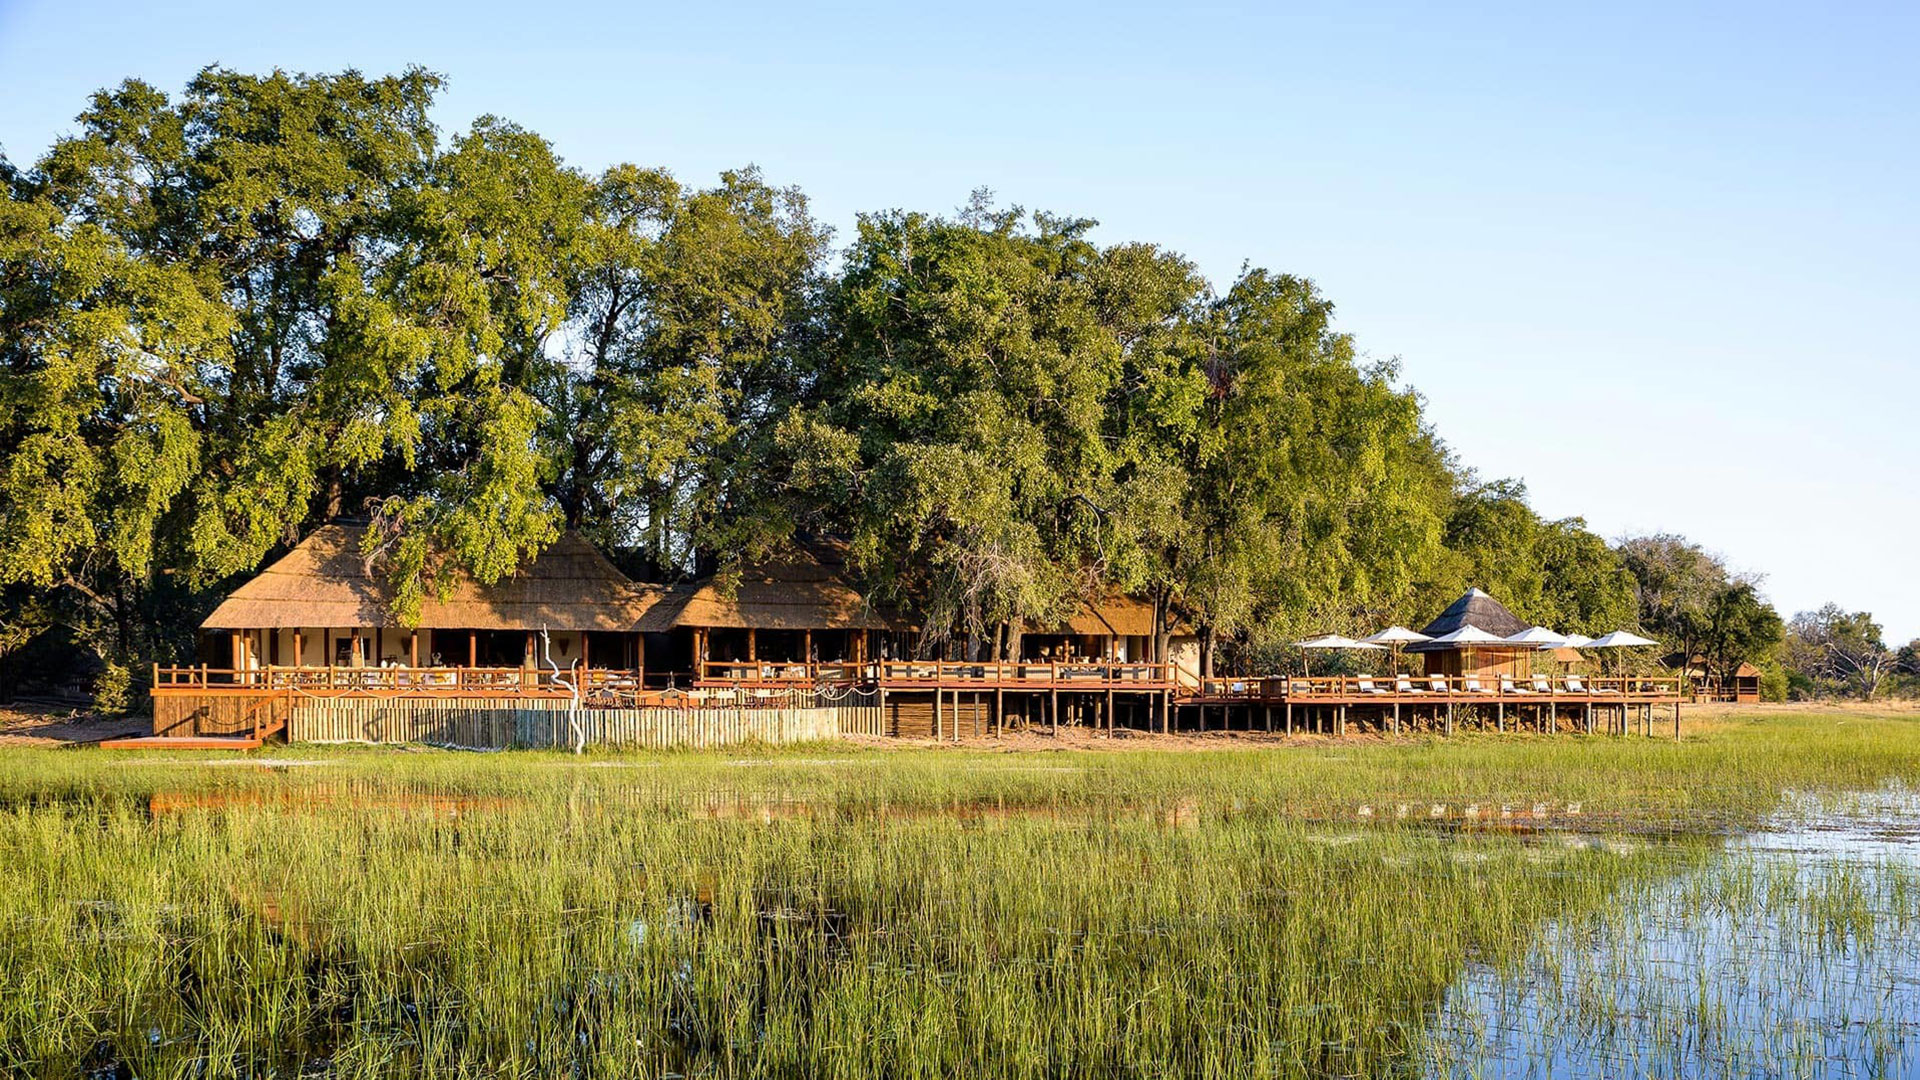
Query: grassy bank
833	912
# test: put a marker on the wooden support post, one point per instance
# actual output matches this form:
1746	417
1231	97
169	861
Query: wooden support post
1340	722
1589	717
999	710
585	654
1287	708
473	648
299	650
640	659
1676	720
1053	712
753	652
938	731
413	648
1449	712
1500	716
1396	716
1109	710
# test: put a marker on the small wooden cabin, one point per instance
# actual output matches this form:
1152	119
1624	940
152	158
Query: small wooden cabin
1478	609
321	605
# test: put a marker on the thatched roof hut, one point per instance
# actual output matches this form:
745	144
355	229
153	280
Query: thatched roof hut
325	582
1475	608
793	591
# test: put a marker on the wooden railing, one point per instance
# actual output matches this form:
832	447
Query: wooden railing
1024	674
424	682
1459	689
916	674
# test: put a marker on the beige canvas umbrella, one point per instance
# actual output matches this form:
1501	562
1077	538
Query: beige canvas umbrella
1335	642
1395	637
1619	639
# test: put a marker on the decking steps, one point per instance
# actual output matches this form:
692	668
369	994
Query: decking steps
183	742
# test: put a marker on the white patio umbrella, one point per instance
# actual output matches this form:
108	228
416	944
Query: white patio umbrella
1394	637
1466	638
1335	641
1538	637
1619	639
1578	641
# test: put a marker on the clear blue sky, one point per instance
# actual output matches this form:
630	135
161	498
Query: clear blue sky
1659	263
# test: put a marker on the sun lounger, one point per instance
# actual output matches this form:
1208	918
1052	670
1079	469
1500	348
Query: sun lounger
1404	685
1541	685
1366	686
1471	684
1438	683
1507	686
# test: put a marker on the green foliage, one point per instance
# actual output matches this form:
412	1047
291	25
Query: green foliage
113	690
1689	599
1838	652
276	299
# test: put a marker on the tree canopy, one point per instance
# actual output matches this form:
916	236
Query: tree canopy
230	315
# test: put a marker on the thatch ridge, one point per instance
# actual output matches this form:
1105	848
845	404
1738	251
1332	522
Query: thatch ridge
1475	608
795	590
324	582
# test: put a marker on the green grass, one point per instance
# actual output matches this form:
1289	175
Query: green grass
825	911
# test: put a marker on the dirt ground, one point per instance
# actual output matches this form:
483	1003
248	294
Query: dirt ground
23	726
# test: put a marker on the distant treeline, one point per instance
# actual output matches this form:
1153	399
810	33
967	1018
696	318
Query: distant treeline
229	315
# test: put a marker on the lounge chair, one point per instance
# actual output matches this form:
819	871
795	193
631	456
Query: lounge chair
1365	684
1541	685
1404	685
1471	684
1438	683
1507	686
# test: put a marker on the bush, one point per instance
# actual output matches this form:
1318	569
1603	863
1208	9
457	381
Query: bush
1773	683
113	690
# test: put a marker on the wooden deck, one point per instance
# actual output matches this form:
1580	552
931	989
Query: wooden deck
948	698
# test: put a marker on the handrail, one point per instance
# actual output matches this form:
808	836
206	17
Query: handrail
1460	689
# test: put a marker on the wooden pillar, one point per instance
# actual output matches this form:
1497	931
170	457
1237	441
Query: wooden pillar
938	732
234	651
530	658
999	710
640	658
1589	718
1396	716
299	649
354	659
1109	709
1449	711
473	648
1500	716
584	657
1676	720
1340	722
1288	709
753	653
413	649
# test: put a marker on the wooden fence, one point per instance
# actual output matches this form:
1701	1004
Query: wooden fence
489	724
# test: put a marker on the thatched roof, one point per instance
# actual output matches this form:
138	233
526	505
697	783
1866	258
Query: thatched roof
794	591
1116	613
324	582
1476	608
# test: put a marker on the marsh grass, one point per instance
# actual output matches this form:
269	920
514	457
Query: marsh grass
826	912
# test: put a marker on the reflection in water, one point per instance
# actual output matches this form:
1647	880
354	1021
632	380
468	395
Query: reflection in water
1795	954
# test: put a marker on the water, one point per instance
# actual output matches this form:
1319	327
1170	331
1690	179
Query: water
1794	953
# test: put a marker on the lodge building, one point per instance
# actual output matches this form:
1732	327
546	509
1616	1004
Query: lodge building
784	648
